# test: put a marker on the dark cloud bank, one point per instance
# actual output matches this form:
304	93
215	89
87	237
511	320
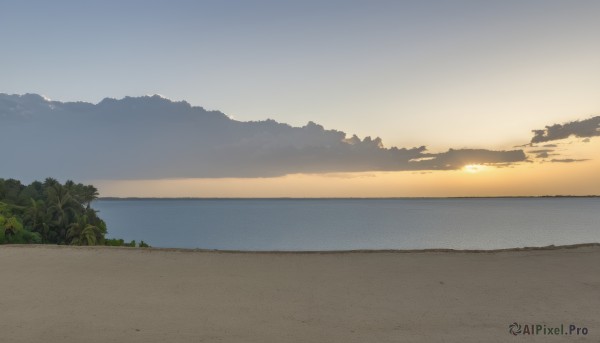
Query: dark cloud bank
585	129
581	128
152	137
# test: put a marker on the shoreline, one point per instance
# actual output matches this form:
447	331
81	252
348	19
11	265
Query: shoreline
320	252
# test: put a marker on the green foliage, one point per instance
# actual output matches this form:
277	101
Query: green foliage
50	212
28	237
2	237
12	231
4	208
114	242
84	233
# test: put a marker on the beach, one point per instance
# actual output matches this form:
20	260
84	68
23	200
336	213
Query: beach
103	294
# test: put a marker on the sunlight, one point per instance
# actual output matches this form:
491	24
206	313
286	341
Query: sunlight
473	168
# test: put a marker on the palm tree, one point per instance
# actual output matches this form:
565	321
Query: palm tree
45	232
83	233
11	227
90	193
35	213
82	194
9	232
61	208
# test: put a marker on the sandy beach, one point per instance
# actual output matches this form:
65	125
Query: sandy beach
101	294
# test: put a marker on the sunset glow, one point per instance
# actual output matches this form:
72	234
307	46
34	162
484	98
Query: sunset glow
478	99
530	178
473	168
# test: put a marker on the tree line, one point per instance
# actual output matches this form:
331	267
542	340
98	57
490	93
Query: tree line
52	213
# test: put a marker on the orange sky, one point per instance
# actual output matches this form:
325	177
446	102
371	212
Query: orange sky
442	74
531	178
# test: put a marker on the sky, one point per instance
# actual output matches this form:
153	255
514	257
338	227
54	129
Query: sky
440	74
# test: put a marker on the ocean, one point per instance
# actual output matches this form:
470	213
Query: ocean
347	224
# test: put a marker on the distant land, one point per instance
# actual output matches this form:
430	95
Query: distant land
349	198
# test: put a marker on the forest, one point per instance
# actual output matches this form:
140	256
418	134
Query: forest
51	213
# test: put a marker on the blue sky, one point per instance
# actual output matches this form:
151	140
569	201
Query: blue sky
436	72
441	74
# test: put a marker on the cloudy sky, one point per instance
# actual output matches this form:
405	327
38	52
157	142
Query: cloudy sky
453	90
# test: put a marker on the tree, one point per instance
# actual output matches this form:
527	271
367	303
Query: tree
36	218
11	227
11	189
50	212
33	191
82	194
83	233
60	209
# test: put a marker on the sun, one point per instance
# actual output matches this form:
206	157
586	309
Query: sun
473	168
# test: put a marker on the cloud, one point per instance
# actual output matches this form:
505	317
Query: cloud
567	160
153	137
581	128
541	153
456	159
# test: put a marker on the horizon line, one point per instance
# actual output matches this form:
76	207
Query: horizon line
550	247
349	198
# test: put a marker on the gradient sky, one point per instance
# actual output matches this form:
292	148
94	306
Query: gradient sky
476	74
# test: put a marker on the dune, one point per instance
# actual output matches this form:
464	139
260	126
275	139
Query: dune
103	294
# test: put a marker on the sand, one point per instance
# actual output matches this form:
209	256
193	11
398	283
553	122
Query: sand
101	294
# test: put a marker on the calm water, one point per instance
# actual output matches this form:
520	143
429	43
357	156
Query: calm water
338	224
